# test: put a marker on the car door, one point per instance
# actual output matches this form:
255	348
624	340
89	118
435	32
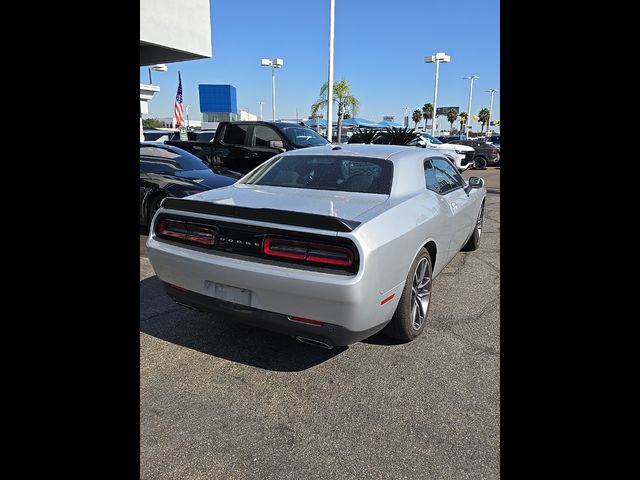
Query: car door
443	178
261	151
234	151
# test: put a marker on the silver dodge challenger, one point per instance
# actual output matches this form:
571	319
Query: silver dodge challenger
327	244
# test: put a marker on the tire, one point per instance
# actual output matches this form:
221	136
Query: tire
402	325
474	242
480	163
153	207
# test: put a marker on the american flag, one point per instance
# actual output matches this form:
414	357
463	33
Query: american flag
178	108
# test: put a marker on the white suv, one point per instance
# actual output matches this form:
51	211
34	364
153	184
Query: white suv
461	155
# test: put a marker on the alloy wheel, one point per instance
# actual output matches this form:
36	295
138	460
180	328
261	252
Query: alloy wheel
420	293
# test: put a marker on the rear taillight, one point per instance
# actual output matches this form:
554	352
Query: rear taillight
187	232
307	251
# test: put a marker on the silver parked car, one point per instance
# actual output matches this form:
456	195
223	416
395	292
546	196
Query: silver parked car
327	244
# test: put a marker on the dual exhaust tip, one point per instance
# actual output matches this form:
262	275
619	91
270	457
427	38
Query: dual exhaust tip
314	342
306	340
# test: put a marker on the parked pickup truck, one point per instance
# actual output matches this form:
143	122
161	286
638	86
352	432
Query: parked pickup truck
242	146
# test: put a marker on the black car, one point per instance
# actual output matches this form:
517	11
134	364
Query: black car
486	153
242	146
167	171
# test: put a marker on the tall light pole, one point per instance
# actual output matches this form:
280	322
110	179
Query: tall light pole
406	117
469	116
187	111
438	58
491	91
275	63
261	110
332	14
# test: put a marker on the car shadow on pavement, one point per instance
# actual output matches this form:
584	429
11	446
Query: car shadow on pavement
160	317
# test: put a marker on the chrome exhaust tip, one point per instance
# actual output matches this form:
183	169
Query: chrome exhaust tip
314	342
186	306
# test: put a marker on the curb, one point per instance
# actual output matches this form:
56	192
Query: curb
493	190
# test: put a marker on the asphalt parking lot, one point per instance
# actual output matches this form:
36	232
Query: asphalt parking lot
222	400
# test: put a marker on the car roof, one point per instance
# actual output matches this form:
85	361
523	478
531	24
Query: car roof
385	152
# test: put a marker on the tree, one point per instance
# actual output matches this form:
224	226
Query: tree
484	118
452	116
342	96
427	113
400	136
152	123
416	117
463	119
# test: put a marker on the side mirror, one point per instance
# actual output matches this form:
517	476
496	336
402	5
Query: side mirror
476	182
422	143
276	144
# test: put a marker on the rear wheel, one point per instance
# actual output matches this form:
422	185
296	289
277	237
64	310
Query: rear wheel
410	316
480	163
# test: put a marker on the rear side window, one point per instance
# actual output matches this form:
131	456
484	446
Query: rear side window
235	134
262	135
331	172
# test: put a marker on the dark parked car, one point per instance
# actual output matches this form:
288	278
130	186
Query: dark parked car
167	171
495	140
486	153
242	146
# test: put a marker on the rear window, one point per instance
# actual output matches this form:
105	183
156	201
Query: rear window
329	172
161	159
234	134
206	136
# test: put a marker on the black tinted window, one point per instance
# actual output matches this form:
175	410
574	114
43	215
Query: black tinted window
366	175
152	136
235	134
303	136
262	135
206	136
159	159
440	176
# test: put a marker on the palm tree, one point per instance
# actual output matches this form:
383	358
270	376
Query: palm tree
484	118
427	113
452	116
416	117
341	95
463	119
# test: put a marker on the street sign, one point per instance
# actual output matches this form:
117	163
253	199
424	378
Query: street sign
183	134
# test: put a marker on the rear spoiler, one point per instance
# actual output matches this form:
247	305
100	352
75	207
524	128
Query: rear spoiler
300	219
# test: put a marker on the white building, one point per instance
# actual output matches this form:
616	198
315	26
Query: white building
172	31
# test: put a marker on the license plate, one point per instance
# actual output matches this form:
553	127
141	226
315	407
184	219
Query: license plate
228	293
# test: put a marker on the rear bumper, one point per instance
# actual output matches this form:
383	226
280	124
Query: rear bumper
352	302
327	334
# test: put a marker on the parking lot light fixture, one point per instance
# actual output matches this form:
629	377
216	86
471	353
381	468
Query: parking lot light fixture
438	58
160	67
471	78
491	91
275	63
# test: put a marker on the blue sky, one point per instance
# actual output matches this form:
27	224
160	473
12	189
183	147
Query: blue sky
379	50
